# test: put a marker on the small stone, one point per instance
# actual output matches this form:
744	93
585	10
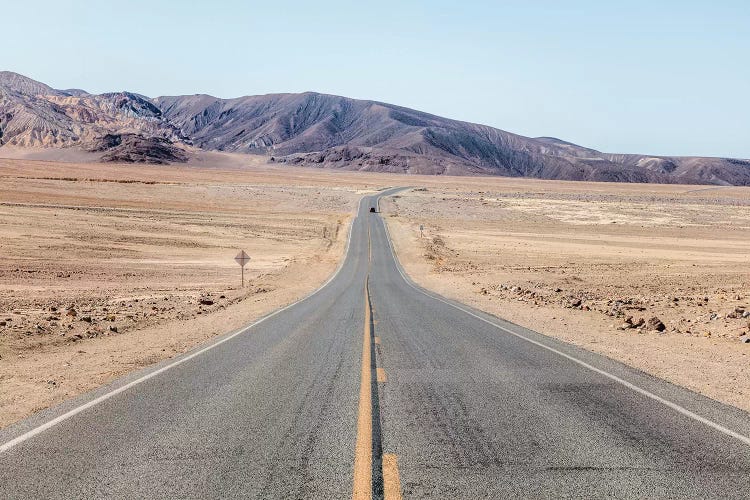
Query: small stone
71	312
206	302
87	319
113	329
3	323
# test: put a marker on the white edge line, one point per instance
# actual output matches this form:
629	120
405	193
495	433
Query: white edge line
75	411
615	378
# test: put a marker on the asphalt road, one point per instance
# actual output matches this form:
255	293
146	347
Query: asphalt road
380	389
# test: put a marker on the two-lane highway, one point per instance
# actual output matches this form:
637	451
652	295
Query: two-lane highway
371	387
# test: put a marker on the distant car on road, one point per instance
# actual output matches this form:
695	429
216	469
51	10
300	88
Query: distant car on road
372	209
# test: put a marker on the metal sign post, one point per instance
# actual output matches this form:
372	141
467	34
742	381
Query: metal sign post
242	259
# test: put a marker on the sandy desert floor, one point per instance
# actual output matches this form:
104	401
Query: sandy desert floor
108	268
657	277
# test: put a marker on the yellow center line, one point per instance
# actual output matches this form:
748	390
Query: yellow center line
363	453
363	450
391	479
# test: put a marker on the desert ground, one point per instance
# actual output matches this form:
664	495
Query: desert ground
109	268
655	276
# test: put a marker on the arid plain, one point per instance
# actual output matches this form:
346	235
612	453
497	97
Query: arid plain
655	276
109	268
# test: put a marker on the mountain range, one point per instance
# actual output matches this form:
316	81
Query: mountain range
312	129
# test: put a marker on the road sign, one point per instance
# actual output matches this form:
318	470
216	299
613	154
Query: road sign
242	259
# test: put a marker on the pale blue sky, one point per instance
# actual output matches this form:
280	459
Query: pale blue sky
657	77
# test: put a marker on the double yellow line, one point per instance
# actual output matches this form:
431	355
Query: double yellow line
363	460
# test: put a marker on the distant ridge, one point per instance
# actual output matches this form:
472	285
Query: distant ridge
312	129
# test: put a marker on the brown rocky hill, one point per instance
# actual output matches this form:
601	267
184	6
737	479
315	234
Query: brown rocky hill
319	130
35	115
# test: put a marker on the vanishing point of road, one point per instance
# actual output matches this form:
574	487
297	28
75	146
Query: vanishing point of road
375	388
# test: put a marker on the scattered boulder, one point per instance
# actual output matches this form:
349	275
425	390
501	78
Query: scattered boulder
737	313
113	329
71	312
87	319
632	323
655	324
206	302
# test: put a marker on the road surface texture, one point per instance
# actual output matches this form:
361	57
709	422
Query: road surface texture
370	388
